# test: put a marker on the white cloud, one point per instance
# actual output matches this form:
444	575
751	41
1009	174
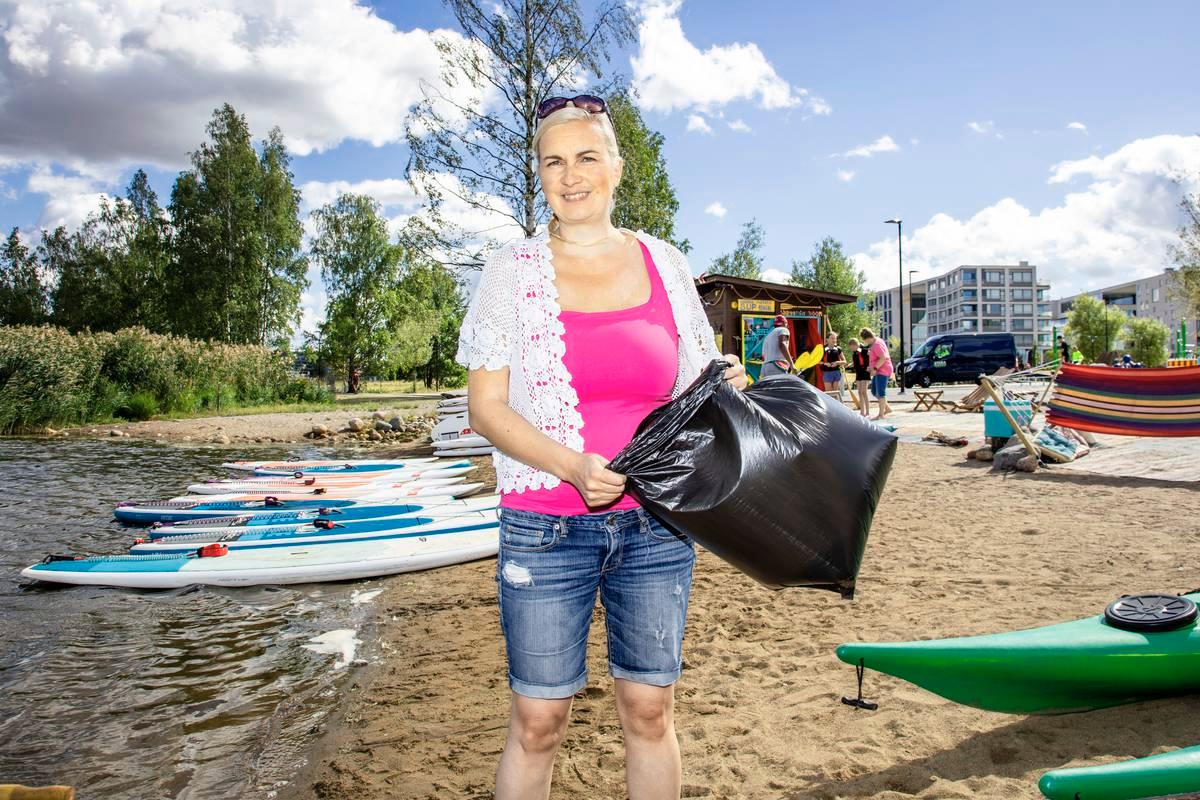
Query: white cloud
845	175
669	72
1117	227
884	144
739	125
986	128
136	81
698	123
69	198
717	210
1077	126
772	275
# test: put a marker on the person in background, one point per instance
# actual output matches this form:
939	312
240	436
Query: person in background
879	364
862	376
1064	351
832	363
777	350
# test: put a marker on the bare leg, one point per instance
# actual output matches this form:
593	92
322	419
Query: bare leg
652	767
864	399
535	730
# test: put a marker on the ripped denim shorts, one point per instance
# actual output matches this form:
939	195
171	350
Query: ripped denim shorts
549	571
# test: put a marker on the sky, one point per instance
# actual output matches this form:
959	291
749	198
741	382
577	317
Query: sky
1063	134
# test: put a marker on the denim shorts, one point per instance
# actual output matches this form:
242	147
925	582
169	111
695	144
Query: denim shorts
833	376
548	573
879	385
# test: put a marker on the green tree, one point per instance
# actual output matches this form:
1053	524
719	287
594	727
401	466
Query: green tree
461	150
746	259
110	272
22	291
371	322
1146	341
1094	327
645	199
238	269
432	287
829	269
1187	255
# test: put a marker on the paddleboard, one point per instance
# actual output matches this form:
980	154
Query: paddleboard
320	534
265	484
282	565
376	493
147	512
470	451
289	466
437	507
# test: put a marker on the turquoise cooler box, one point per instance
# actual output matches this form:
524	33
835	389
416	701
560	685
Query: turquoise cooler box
994	423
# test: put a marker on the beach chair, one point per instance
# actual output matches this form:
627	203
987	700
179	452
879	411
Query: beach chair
974	400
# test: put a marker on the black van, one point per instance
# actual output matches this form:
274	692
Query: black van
950	357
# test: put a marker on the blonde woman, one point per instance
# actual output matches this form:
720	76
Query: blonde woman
572	337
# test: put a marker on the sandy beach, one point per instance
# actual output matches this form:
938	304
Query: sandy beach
956	549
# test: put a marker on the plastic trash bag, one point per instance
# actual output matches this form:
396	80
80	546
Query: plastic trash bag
780	480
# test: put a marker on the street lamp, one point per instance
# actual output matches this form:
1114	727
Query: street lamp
911	309
900	321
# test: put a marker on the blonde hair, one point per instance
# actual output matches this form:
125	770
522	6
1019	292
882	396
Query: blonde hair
571	114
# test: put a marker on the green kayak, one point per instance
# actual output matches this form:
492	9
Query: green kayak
1154	776
1074	666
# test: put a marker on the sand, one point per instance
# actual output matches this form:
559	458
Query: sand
956	549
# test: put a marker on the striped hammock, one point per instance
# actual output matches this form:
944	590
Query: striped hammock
1127	402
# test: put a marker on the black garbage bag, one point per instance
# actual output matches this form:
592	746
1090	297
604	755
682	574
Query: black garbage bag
780	480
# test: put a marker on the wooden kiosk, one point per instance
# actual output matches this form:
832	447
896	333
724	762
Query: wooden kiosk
742	312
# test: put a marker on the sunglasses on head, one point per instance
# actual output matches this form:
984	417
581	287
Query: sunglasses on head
588	102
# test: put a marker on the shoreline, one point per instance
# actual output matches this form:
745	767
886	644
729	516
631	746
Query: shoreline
955	550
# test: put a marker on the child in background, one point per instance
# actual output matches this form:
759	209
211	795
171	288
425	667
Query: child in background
879	363
862	376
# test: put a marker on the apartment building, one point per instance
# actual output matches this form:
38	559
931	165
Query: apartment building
1149	298
973	298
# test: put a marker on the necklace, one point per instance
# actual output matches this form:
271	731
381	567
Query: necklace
553	231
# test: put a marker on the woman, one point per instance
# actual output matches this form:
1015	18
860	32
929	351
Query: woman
570	340
832	362
862	376
879	364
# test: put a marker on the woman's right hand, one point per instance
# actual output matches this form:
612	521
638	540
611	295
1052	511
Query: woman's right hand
599	485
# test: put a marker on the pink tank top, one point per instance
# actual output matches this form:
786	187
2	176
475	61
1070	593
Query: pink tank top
622	364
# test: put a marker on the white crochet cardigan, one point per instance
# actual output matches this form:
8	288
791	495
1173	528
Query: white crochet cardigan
512	321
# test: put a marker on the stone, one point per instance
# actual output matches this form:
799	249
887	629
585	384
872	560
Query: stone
984	454
1007	457
375	436
355	425
1027	464
396	423
114	432
379	415
220	439
51	432
320	430
382	425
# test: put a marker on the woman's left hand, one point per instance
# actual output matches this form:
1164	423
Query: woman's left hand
737	373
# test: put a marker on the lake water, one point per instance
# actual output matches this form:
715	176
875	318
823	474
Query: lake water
195	693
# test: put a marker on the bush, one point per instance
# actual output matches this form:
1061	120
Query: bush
51	377
139	407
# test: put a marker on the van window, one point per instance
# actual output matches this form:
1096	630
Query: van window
943	349
923	350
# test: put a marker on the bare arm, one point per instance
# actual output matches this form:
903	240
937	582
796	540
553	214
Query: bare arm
491	416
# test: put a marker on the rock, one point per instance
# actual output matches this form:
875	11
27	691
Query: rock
382	425
984	454
114	432
355	425
50	432
220	439
379	415
1027	464
1007	457
396	423
320	430
375	436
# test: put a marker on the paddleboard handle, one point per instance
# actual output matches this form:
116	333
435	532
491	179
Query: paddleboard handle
859	702
212	550
50	559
